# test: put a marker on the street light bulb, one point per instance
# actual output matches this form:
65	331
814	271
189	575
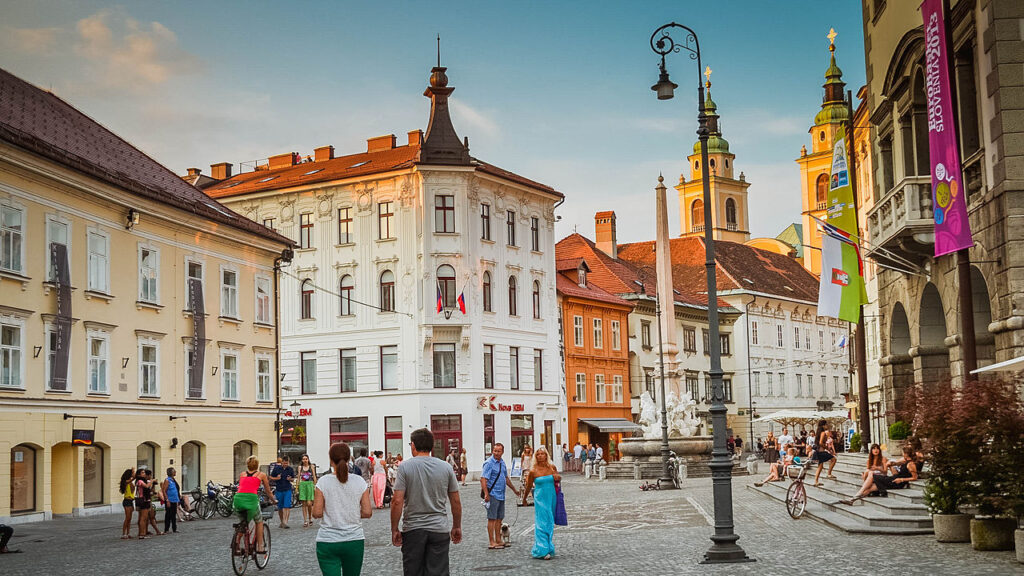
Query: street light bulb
664	88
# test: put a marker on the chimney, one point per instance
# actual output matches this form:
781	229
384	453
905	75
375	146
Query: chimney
415	137
604	224
323	153
194	172
221	171
380	143
282	160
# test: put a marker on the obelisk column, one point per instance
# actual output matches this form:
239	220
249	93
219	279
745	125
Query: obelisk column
666	292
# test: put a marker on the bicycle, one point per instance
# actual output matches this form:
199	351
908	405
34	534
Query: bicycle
225	495
673	467
796	495
243	543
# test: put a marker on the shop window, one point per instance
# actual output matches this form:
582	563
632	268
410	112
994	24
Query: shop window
23	479
293	438
393	435
145	456
191	466
92	475
447	429
488	434
353	431
240	453
522	433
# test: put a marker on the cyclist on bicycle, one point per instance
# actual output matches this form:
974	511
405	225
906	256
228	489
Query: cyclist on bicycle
247	500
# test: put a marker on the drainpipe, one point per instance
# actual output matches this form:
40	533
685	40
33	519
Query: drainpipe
285	257
750	388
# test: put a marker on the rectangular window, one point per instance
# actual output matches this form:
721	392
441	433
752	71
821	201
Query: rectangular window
616	336
229	293
149	370
393	435
645	334
821	340
306	230
228	376
598	335
488	434
824	382
757	384
617	389
195	272
348	369
270	223
706	340
149	275
846	385
833	340
263	311
389	367
799	385
600	394
810	386
727	386
264	389
581	388
835	383
99	262
538	369
385	220
56	233
796	337
768	392
692	386
689	339
707	386
510	223
444	213
807	339
488	366
12	238
308	369
723	340
753	333
345	225
649	383
444	365
485	221
782	384
98	365
513	368
535	234
577	330
780	336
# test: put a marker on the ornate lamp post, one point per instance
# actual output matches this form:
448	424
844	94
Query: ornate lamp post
724	548
665	482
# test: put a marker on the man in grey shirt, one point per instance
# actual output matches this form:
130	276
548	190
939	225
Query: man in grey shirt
365	468
423	487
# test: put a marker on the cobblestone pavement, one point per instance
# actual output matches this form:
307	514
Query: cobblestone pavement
614	529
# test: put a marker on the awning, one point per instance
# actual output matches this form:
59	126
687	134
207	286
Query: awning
611	424
1007	366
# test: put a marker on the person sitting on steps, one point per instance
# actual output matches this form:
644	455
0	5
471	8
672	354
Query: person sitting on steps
906	472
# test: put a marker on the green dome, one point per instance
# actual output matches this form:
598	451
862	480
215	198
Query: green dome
716	145
832	114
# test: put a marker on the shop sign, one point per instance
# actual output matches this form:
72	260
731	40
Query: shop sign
82	437
490	403
302	412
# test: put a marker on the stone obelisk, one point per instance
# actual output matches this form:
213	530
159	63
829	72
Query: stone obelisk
666	294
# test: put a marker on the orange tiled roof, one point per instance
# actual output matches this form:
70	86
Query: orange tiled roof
591	291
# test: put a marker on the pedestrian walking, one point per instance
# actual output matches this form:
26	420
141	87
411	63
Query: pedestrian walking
423	486
526	460
599	453
739	446
771	448
307	487
541	481
156	491
127	488
172	497
282	482
463	466
824	451
365	466
379	479
6	532
143	502
566	458
341	500
577	453
493	481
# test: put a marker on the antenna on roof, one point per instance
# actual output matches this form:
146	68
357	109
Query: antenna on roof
438	50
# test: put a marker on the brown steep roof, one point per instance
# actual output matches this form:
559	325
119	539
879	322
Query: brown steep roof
40	122
591	291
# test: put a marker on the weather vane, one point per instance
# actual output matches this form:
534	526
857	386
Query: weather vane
707	74
438	50
831	37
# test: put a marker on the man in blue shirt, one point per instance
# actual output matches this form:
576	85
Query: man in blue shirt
493	480
282	476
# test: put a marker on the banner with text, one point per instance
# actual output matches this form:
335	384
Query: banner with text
949	196
841	290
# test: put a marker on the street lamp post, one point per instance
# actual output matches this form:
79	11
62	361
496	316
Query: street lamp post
665	482
724	548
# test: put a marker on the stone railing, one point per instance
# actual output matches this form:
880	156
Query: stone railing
697	228
905	211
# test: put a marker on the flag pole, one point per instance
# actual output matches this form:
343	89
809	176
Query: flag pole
859	343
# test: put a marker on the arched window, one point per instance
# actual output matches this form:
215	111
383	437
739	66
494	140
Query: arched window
446	284
242	450
306	299
730	213
191	465
487	292
712	164
387	291
345	288
92	475
696	164
145	457
536	299
697	215
822	191
23	478
512	296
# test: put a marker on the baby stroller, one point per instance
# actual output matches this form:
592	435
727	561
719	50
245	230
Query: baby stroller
388	493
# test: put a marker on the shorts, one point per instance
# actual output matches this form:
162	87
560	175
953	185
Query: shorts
128	503
496	511
141	504
306	490
284	499
822	457
248	503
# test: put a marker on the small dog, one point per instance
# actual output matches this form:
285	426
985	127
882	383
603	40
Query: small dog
506	533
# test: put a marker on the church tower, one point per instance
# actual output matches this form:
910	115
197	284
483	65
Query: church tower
815	165
728	195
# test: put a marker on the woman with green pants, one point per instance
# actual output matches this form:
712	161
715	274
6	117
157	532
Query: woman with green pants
341	500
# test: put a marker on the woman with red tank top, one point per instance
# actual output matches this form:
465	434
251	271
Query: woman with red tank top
246	499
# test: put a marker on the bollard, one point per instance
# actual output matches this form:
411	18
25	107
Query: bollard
636	470
752	465
588	469
602	474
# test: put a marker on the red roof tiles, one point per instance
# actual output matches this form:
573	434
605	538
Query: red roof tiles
591	291
42	123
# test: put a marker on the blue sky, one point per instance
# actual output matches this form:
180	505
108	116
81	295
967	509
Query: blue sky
556	91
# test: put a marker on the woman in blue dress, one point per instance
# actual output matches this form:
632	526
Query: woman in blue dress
541	480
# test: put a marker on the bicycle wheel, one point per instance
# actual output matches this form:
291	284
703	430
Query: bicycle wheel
263	559
200	508
796	499
224	506
239	557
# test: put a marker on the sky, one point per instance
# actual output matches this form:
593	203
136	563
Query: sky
555	91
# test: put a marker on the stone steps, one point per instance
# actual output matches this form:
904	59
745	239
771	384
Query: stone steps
652	470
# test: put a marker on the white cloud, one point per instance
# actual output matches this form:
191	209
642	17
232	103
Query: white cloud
33	40
476	121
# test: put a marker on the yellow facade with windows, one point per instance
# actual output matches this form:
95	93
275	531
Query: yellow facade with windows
131	333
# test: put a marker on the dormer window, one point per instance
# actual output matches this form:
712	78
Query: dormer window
581	275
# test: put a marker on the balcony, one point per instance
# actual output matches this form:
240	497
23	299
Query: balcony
819	206
901	221
697	228
732	227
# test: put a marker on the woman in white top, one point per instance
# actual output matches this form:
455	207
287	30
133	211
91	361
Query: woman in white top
341	500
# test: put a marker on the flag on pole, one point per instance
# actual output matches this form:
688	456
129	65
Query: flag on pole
462	301
440	299
842	341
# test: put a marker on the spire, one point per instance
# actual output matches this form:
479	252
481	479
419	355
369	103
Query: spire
441	145
716	144
833	107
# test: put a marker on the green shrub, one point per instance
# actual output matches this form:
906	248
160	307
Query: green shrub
943	496
855	442
899	430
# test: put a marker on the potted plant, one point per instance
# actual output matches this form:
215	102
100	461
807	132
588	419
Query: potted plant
942	497
855	442
898	432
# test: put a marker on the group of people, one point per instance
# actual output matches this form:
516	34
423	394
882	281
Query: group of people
582	454
881	475
804	450
457	460
138	488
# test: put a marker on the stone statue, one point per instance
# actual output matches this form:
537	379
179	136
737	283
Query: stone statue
681	421
650	416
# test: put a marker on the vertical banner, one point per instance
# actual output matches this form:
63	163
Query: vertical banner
195	303
62	327
949	201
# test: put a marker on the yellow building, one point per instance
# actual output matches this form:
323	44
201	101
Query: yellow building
99	246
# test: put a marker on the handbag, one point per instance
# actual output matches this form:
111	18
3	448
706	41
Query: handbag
560	517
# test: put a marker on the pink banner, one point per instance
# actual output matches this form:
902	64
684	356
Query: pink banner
949	196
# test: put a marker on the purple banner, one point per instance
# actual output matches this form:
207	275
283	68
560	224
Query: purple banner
949	196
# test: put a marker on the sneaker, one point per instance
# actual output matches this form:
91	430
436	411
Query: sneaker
758	484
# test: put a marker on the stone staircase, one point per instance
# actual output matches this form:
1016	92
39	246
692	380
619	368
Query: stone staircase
902	512
651	470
